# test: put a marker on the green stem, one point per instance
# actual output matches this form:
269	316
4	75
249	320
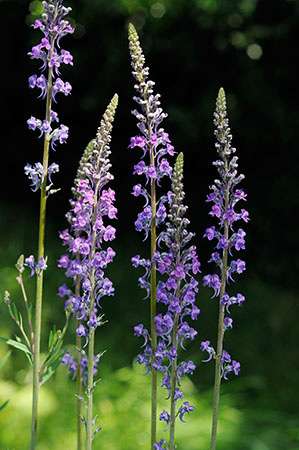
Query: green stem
90	386
91	333
153	306
39	283
173	387
78	375
218	357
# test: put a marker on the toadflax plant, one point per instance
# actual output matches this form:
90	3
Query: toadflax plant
224	196
53	26
87	257
179	263
155	146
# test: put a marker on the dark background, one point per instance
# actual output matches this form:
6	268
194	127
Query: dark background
193	47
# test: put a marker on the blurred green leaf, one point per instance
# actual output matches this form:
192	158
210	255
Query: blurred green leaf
20	345
4	360
3	405
51	370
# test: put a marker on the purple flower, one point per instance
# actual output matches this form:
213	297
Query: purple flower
137	141
68	360
185	409
109	233
30	262
212	281
205	347
228	323
164	416
35	267
92	323
63	291
159	445
81	331
35	175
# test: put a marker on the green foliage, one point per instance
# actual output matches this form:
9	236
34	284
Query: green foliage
3	361
3	405
20	345
122	403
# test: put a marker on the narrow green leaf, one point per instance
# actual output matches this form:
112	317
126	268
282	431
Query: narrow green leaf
29	357
19	344
51	370
29	312
15	312
53	355
50	340
3	405
4	360
20	319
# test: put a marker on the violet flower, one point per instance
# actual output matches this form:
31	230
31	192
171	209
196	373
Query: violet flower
86	241
224	196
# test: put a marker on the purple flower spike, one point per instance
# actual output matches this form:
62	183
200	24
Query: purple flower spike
176	261
92	204
225	198
54	27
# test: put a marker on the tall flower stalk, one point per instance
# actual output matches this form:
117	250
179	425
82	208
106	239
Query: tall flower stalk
155	145
179	263
224	196
88	258
78	365
53	27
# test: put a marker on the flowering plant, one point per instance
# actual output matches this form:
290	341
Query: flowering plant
161	343
53	26
155	144
224	197
87	258
179	262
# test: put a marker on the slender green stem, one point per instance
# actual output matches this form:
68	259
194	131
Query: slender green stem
174	364
90	386
173	387
153	282
91	333
78	375
40	254
217	381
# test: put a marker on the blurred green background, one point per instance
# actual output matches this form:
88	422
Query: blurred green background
192	47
